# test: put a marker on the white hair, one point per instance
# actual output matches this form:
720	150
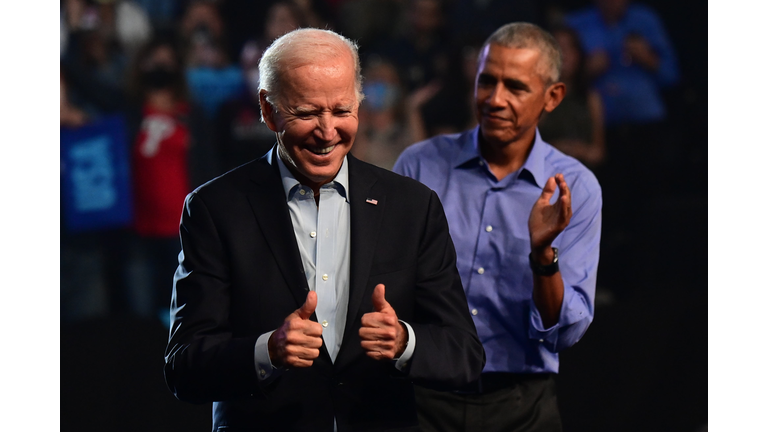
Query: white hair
303	45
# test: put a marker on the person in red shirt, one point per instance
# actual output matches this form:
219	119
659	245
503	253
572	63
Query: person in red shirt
171	156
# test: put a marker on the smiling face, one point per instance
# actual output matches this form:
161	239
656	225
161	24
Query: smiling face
315	117
511	92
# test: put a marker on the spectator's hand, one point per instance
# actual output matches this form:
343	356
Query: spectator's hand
547	220
297	342
381	334
71	117
638	50
422	95
597	63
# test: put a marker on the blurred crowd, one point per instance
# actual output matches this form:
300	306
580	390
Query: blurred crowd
159	96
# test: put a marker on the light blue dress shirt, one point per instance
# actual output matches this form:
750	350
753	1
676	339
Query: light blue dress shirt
488	222
322	234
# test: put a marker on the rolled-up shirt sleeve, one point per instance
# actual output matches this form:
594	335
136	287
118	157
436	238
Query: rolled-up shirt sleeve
578	250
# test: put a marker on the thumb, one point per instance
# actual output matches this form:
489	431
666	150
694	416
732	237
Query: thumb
379	302
305	311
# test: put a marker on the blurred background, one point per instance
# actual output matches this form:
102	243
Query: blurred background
159	96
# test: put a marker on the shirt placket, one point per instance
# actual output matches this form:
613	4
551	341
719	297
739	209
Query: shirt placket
325	276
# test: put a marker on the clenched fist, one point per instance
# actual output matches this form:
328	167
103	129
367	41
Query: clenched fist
382	336
297	342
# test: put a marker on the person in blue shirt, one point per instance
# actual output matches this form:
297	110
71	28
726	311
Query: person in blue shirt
632	64
525	220
629	58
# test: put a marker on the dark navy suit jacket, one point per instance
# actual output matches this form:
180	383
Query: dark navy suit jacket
241	275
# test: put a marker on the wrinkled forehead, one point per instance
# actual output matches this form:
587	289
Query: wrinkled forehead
324	83
317	62
499	55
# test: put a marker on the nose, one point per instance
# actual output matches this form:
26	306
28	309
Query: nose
326	128
496	98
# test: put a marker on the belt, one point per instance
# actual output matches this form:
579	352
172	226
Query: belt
490	382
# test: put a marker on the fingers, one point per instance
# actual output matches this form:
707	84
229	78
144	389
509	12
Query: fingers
379	337
379	320
296	343
381	334
562	185
377	352
380	304
306	310
548	190
546	221
302	343
564	197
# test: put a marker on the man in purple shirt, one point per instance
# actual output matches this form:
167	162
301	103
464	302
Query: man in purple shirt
525	220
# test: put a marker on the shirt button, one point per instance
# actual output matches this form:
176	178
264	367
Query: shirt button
474	311
480	270
302	192
325	277
313	234
488	228
480	163
262	372
325	323
541	340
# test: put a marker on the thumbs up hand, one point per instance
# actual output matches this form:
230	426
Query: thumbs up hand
297	342
382	336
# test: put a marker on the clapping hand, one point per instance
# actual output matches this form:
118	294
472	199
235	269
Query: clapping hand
546	220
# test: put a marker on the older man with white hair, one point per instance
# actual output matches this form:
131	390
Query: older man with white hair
313	288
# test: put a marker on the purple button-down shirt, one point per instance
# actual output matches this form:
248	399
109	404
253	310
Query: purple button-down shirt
488	221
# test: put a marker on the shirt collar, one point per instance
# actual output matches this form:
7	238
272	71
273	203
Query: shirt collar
341	181
469	150
535	164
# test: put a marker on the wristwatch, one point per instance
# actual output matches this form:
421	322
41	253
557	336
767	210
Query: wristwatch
544	270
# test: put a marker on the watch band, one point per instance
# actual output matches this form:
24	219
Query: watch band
544	270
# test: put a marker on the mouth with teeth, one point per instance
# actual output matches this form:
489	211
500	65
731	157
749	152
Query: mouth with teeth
322	150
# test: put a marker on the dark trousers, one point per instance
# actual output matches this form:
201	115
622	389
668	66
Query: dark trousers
502	402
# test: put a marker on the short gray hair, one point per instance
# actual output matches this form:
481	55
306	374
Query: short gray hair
303	44
527	35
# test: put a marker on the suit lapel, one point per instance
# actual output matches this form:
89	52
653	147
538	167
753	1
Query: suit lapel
365	219
271	210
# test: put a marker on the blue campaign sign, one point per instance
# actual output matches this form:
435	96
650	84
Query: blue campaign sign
96	175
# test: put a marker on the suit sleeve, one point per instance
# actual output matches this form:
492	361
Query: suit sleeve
448	353
203	361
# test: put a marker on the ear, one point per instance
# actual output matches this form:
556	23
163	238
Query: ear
268	111
554	95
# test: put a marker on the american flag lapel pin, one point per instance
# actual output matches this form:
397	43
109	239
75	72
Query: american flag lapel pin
371	201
